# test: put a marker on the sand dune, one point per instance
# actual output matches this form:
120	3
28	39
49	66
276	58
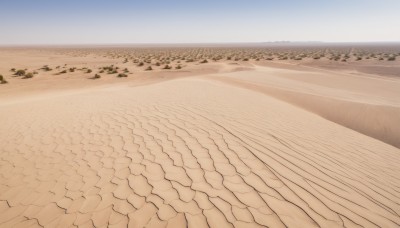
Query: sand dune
190	152
367	104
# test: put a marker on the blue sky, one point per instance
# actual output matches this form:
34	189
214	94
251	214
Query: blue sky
189	21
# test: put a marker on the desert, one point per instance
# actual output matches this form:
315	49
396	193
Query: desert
257	135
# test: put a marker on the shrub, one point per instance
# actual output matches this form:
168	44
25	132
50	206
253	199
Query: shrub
126	70
96	76
245	59
178	67
72	69
20	73
204	61
140	64
167	67
46	68
122	75
63	72
89	71
392	58
12	70
359	58
149	68
28	75
1	77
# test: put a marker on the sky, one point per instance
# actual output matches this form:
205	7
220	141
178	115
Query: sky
197	21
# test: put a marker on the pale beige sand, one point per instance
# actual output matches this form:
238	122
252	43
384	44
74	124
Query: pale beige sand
241	149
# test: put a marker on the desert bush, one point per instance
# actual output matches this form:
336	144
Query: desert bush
12	70
122	75
20	73
204	61
96	76
246	59
140	64
46	68
149	68
72	69
392	58
359	58
89	71
1	78
167	67
28	75
126	70
178	67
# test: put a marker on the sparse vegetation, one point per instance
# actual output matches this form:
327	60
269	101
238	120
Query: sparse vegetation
149	68
28	75
167	67
204	61
2	80
392	58
46	68
20	73
122	75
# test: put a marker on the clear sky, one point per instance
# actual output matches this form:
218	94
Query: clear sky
197	21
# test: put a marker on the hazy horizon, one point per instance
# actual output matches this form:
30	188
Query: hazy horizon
181	22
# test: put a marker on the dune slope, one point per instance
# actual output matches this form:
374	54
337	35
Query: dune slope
189	152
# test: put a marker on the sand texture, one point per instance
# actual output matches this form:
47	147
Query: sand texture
252	147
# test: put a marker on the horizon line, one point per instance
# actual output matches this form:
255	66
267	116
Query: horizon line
283	42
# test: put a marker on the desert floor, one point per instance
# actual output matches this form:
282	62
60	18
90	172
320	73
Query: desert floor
222	144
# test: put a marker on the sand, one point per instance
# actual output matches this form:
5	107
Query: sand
219	145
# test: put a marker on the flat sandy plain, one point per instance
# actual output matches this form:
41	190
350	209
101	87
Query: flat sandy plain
252	137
